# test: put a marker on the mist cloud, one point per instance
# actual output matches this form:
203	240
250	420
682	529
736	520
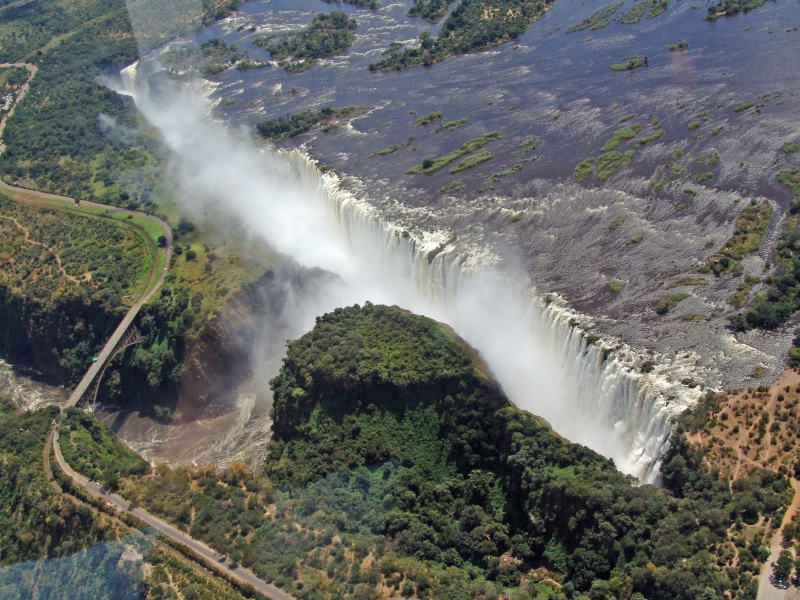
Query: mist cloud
544	367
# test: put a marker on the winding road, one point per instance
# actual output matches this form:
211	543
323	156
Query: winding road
212	557
157	275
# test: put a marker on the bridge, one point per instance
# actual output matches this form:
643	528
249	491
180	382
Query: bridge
125	335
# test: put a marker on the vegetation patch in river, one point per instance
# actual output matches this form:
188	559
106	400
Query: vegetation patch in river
751	225
624	133
602	18
434	116
782	298
473	25
358	3
631	63
636	12
430	10
472	161
669	303
681	45
298	51
790	147
305	121
451	125
432	165
727	8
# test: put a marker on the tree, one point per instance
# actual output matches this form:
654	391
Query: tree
783	566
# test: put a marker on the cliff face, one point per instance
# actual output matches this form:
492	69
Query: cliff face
221	355
56	336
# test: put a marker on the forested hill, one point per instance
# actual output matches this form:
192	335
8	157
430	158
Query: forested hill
470	482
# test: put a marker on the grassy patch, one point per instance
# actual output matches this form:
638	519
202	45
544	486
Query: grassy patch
751	225
717	129
430	10
711	159
584	169
611	162
451	125
669	303
636	12
390	150
650	138
529	144
432	165
681	45
631	63
494	177
790	147
743	106
453	186
625	133
637	239
434	116
515	218
742	295
694	317
731	7
472	161
693	125
616	286
602	18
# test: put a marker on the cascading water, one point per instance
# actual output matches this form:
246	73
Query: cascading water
587	388
601	400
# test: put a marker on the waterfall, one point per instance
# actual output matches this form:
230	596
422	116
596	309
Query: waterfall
594	391
546	356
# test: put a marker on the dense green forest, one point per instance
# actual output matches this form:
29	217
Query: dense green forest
397	463
473	25
327	34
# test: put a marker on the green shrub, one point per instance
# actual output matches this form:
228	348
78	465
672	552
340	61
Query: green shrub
667	304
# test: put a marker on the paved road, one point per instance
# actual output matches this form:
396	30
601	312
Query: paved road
211	556
766	590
